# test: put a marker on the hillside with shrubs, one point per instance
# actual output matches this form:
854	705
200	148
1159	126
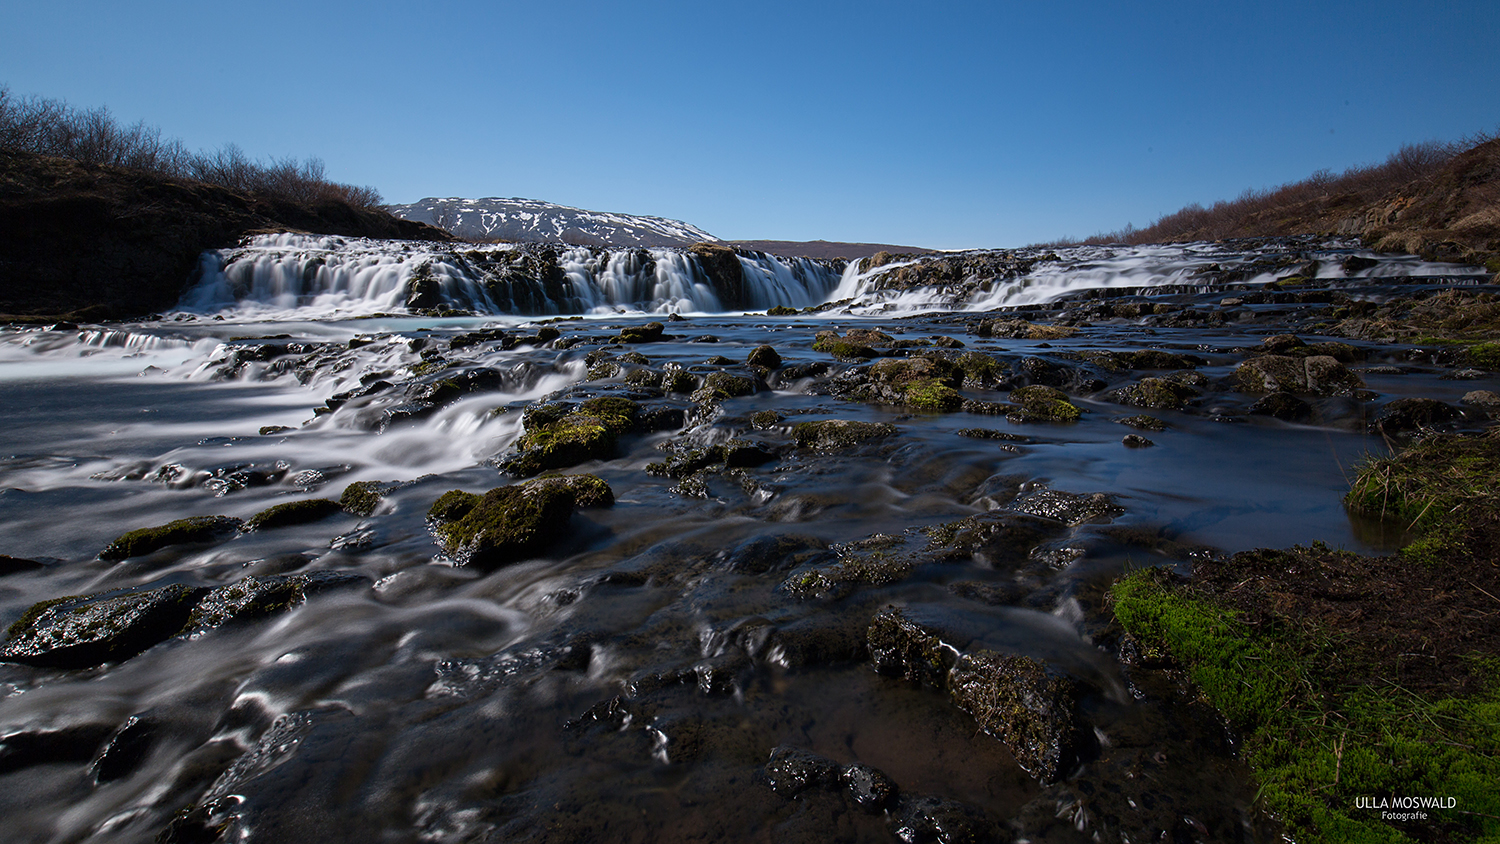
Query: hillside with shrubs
104	221
1437	200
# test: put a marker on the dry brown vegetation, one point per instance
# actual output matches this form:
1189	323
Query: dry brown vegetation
1420	196
92	136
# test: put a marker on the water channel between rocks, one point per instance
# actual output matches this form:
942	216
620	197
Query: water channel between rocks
630	681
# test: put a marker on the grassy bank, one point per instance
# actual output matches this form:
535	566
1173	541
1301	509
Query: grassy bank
1357	684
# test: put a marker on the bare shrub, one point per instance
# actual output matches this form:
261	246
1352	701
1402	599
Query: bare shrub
52	127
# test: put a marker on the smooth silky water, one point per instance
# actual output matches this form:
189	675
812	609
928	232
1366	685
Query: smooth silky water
431	705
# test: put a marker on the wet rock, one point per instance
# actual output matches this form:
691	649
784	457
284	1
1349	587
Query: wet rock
554	440
362	497
1318	375
1069	508
1485	399
258	596
781	310
869	789
1031	711
764	356
1143	423
506	524
924	819
1411	414
1043	404
26	748
1136	441
1020	329
900	646
293	513
651	332
126	749
840	433
17	565
79	632
921	382
719	386
1284	406
1155	393
765	419
181	532
791	771
857	343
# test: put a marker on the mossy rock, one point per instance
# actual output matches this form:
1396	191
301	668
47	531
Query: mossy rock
84	631
505	525
902	647
1020	329
1031	711
1143	423
557	442
981	370
293	513
1155	393
362	497
840	433
1484	356
180	532
857	343
1042	403
1319	375
588	491
781	310
931	395
719	386
764	419
763	355
651	332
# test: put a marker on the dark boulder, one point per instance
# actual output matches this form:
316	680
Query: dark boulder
79	632
1411	414
1016	700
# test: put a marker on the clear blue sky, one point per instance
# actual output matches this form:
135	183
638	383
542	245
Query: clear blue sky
943	125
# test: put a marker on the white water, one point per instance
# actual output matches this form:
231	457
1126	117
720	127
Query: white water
299	277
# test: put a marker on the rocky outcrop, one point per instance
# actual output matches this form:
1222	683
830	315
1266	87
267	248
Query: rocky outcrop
511	523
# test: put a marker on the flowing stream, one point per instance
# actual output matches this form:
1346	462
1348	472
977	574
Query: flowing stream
629	682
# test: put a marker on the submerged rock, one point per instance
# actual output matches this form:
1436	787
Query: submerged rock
1412	414
1283	406
181	532
259	596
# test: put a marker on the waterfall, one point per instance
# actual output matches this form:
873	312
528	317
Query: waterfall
287	275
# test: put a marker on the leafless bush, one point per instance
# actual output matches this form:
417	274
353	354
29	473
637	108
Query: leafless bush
52	127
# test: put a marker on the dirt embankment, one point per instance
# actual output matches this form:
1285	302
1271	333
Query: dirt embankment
96	242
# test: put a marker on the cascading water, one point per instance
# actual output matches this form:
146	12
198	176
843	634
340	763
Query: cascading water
299	276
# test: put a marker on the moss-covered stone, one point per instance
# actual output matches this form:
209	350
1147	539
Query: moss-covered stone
719	386
981	370
1319	375
763	419
1020	329
362	497
840	433
505	525
1155	393
901	647
180	532
781	310
588	433
764	355
1042	403
651	332
1143	423
1031	711
293	513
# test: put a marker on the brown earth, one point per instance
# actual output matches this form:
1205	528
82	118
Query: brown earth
1392	620
93	242
824	248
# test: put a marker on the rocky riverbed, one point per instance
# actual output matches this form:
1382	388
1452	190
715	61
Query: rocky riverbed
836	574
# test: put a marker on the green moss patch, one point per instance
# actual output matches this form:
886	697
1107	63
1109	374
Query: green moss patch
294	513
840	433
1043	404
181	532
1321	732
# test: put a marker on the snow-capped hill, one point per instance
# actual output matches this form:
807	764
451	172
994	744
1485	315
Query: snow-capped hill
515	219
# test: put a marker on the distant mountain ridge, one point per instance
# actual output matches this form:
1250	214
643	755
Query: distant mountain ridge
530	220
